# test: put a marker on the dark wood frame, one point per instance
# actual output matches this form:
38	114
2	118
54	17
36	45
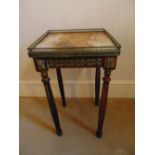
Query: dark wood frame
98	57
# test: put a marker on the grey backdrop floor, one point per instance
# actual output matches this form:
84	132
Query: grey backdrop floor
79	122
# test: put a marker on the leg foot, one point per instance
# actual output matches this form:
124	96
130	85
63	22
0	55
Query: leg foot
59	132
98	134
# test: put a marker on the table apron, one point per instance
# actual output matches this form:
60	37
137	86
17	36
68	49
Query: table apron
46	63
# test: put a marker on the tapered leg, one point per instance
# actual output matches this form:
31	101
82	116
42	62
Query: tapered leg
61	86
103	102
53	109
97	85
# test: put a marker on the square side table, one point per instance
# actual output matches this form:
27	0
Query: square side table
76	49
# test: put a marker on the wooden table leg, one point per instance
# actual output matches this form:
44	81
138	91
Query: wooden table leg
61	86
53	109
103	102
97	85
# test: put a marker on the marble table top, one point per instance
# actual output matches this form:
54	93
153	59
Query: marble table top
92	42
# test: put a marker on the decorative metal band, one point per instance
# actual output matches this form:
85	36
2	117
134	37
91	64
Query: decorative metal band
92	62
105	48
50	54
72	51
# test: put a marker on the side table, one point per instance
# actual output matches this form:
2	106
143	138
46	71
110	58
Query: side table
75	49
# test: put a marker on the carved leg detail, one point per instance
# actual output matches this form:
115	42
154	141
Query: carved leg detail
97	85
53	109
103	102
61	86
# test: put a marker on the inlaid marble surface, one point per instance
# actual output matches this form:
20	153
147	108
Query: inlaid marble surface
75	39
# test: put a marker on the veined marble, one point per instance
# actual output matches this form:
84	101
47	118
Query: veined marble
75	39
